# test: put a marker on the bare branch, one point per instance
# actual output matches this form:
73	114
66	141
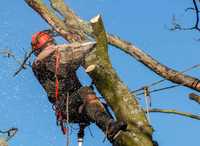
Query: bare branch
23	65
7	53
56	23
71	19
177	26
10	133
169	111
195	9
103	70
195	97
137	53
197	15
189	9
112	87
154	65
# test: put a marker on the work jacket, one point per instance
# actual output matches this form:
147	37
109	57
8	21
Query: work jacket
45	73
71	57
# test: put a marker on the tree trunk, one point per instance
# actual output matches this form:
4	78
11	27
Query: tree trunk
122	102
116	93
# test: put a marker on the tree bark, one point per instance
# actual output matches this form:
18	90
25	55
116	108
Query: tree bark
160	69
3	142
122	102
116	93
174	112
195	97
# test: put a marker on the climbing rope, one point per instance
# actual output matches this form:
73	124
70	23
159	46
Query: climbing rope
61	103
147	102
57	69
64	123
60	120
135	92
145	90
67	120
159	89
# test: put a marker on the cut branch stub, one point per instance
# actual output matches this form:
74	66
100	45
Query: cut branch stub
73	35
116	93
106	80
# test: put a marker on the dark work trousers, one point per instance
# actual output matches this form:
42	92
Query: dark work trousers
82	110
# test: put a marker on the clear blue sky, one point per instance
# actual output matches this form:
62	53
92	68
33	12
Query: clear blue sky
24	103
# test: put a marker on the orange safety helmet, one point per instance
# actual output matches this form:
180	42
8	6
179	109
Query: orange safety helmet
40	39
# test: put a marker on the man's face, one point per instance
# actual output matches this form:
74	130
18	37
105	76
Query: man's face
46	46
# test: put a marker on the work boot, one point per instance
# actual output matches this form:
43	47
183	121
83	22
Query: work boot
96	113
115	128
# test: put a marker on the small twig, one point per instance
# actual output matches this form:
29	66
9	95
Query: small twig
91	134
188	9
7	53
197	15
23	64
10	133
171	111
194	97
177	26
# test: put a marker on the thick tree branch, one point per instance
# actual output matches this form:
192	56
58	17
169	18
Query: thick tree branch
55	22
147	60
169	111
154	65
107	82
75	51
71	19
110	86
104	77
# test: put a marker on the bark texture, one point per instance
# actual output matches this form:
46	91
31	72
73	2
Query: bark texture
122	102
154	65
147	60
116	93
195	97
106	80
3	142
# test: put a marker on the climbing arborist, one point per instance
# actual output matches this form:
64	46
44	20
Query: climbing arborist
56	72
